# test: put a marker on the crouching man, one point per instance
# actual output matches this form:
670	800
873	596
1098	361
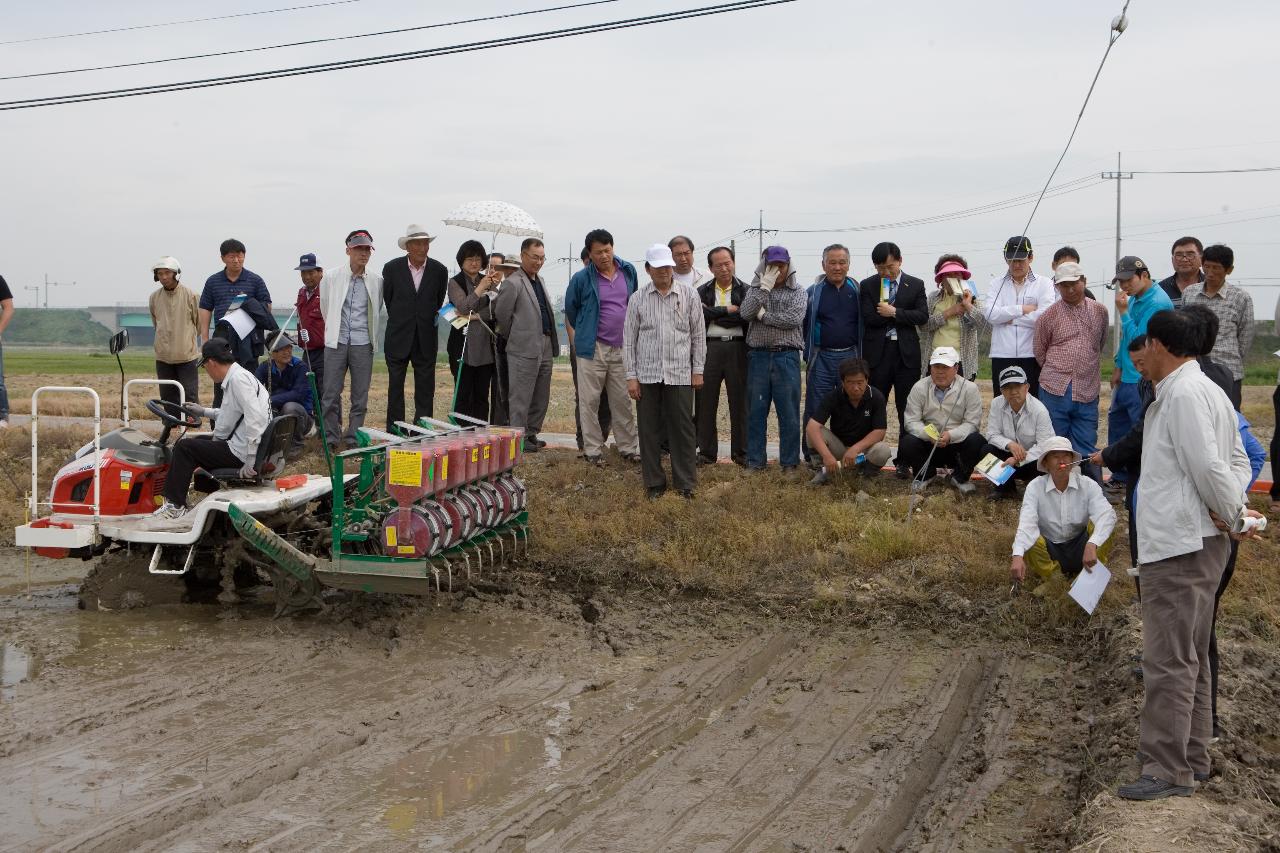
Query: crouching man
285	377
1017	428
242	419
1066	521
943	409
855	439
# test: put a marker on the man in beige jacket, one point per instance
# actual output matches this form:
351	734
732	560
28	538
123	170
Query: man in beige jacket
943	409
175	314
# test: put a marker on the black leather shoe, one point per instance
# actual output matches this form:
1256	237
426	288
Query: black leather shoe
655	492
902	472
687	494
1151	788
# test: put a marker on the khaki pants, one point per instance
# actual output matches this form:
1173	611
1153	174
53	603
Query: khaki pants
604	373
1177	618
877	454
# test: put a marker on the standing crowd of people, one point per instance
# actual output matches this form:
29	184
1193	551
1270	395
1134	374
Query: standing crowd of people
650	355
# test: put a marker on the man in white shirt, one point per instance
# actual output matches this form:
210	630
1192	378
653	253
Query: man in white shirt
1014	302
242	419
351	302
1194	476
1017	429
1066	522
686	273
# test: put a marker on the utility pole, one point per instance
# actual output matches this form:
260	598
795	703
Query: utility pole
760	232
48	284
1117	176
36	288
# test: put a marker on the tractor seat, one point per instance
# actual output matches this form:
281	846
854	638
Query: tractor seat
276	440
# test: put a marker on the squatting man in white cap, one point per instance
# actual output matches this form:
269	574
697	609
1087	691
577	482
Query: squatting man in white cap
1066	522
175	313
664	348
944	409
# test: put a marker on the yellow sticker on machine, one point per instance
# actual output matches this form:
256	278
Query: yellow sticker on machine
406	549
444	467
513	448
486	453
391	537
404	467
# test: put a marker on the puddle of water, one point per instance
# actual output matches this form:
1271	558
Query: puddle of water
428	785
16	666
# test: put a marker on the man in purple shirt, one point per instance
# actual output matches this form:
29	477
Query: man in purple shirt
595	309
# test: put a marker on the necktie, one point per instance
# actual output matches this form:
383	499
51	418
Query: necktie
892	334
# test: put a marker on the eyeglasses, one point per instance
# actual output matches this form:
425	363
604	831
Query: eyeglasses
1186	256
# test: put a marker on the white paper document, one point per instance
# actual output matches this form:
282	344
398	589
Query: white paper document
1089	586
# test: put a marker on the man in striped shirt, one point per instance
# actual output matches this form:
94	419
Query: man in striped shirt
1068	345
1234	308
664	350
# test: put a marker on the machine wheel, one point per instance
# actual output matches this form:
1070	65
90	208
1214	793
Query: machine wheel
292	594
119	580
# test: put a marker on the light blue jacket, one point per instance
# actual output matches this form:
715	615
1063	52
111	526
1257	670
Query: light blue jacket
1134	323
582	305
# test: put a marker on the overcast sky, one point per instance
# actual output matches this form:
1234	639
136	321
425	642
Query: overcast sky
823	113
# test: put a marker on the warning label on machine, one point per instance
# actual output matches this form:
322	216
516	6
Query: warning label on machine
404	467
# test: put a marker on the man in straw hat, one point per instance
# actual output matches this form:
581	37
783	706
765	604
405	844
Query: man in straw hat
351	301
414	287
1066	522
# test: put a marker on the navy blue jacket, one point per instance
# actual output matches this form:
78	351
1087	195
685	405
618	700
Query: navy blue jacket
286	386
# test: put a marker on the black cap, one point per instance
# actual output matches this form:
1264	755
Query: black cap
216	349
1017	248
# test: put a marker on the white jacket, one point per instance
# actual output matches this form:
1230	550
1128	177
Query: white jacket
1012	332
1193	461
1029	427
244	413
333	292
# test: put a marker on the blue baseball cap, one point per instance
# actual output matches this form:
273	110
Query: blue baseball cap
776	254
308	262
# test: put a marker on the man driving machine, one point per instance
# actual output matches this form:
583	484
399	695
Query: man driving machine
242	419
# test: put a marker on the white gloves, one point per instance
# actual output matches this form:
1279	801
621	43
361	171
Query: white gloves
247	471
769	277
304	336
196	410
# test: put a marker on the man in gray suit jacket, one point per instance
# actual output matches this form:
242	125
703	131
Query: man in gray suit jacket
522	311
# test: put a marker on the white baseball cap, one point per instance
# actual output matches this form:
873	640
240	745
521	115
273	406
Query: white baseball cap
945	355
659	255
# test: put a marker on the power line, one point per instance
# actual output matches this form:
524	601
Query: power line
179	23
1208	171
305	43
1118	27
429	53
1061	189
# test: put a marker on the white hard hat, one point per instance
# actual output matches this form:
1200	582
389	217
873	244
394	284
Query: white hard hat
166	263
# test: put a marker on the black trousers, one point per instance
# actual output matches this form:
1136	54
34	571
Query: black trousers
726	363
192	453
893	372
1213	631
666	411
1275	447
606	419
1237	393
476	391
424	383
1030	365
188	373
958	456
1025	472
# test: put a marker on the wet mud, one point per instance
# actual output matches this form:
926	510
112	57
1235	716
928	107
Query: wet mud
521	719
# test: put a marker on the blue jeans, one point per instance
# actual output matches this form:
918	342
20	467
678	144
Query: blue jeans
1075	421
773	377
4	393
1124	415
823	375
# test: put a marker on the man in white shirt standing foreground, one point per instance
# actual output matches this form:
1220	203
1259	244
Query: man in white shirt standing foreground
242	419
1194	475
1066	521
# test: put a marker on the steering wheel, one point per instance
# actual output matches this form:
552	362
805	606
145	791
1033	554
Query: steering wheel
170	414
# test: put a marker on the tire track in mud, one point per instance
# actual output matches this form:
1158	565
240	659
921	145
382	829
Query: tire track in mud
204	760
